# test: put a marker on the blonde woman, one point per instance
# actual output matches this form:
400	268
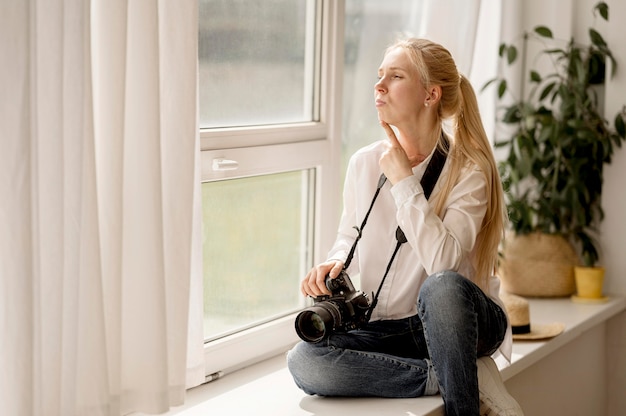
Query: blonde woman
438	318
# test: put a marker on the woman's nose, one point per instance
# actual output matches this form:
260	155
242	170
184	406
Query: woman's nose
379	86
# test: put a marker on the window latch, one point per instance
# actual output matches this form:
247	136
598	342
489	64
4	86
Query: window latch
222	164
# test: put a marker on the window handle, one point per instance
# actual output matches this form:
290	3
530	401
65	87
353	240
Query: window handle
222	164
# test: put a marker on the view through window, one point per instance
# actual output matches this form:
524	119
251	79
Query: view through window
256	233
255	62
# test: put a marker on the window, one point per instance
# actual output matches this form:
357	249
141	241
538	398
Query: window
270	192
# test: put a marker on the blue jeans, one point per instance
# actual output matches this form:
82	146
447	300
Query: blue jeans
432	352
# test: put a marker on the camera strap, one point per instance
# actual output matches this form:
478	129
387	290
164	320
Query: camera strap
359	230
428	182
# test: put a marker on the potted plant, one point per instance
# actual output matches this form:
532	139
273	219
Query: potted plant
558	143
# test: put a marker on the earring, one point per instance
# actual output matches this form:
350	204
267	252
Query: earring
426	104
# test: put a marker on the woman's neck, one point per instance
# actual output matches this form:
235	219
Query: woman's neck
419	143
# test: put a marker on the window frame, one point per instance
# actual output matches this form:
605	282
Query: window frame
259	150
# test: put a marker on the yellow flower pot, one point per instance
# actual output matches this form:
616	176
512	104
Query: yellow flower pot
589	282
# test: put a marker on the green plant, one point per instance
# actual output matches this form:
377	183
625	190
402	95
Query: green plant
559	141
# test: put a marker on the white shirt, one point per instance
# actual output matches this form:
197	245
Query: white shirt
432	244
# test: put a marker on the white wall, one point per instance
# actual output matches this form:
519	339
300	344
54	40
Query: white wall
613	195
613	235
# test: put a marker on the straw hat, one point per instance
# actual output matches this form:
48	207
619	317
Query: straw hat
518	310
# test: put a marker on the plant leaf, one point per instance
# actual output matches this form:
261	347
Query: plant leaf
603	9
534	76
619	125
511	54
488	83
543	31
502	49
546	91
501	88
597	39
511	115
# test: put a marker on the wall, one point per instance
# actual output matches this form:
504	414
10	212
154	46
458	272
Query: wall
614	197
613	231
551	386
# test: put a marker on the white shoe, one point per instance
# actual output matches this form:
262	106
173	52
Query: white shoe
495	400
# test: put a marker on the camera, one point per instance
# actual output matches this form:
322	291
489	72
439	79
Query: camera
345	309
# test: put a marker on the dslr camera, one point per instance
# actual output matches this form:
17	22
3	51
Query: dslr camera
345	309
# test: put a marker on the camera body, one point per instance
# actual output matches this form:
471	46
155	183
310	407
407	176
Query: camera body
345	309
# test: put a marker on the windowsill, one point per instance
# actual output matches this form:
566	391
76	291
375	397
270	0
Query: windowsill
267	388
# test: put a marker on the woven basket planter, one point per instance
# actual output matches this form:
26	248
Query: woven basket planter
538	265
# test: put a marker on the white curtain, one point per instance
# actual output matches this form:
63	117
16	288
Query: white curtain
98	168
452	23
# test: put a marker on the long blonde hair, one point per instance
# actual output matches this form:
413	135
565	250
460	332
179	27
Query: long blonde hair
469	144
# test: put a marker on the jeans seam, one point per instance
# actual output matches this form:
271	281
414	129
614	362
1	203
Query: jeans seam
380	357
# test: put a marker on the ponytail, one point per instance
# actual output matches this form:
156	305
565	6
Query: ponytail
471	144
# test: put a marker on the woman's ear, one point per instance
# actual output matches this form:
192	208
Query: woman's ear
433	95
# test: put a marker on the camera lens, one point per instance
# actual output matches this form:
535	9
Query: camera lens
312	326
315	323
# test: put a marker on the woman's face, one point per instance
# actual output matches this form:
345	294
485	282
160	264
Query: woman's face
399	94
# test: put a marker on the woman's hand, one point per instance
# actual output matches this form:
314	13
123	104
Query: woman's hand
394	162
314	284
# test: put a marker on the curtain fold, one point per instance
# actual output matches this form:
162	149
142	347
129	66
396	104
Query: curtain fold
16	286
99	217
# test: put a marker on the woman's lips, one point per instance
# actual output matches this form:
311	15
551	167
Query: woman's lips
380	103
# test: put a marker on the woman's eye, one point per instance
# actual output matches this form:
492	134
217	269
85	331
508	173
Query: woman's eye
379	77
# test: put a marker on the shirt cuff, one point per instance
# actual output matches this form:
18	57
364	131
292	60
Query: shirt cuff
406	189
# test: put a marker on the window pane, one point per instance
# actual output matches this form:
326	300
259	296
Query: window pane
256	247
256	61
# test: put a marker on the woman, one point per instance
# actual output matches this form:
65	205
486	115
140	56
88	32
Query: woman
438	318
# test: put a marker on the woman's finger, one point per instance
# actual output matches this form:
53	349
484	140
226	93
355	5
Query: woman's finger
334	272
310	284
314	284
390	134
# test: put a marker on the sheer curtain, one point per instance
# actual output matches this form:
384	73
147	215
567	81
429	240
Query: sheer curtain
98	131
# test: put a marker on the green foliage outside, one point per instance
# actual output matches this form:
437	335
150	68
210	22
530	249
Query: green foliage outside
253	240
